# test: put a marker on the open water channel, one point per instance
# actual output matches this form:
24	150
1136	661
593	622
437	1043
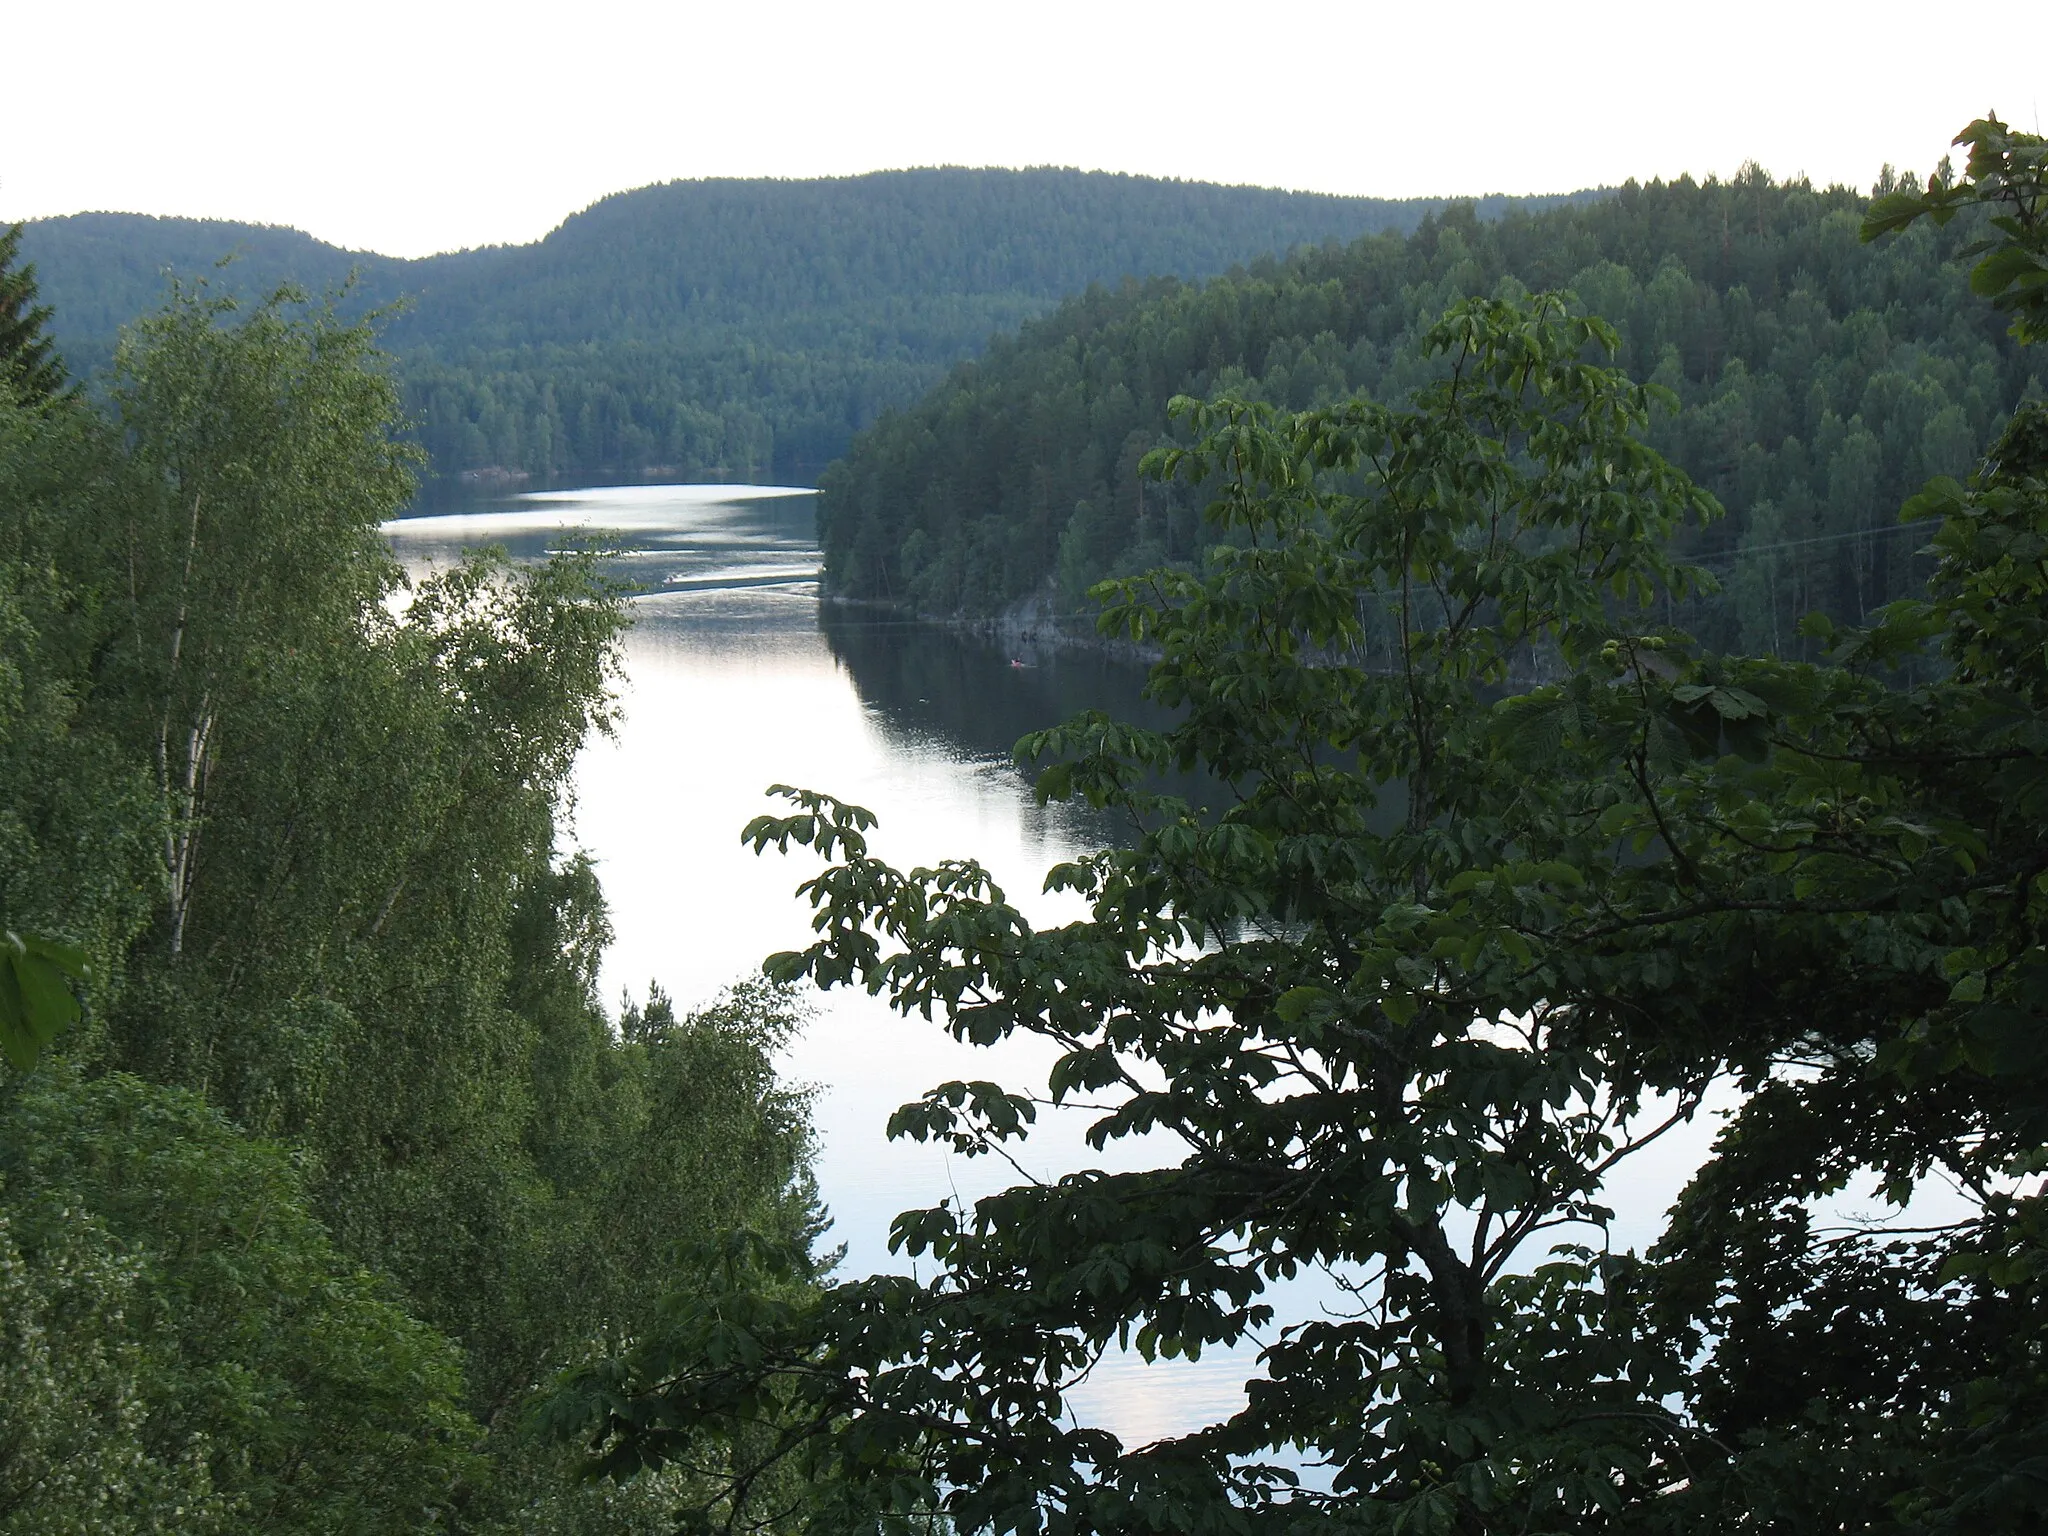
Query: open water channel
737	677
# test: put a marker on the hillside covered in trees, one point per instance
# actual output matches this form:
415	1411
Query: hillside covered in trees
1818	381
712	329
342	1159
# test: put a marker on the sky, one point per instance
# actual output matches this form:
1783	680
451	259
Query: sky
414	126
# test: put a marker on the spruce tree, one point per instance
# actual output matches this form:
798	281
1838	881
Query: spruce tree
28	358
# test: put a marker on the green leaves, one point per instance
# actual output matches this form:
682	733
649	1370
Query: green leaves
2007	174
206	1351
1717	720
829	825
37	1002
971	1116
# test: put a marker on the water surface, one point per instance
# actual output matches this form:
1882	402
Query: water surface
737	677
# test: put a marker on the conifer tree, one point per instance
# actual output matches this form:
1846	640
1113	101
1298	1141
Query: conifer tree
28	358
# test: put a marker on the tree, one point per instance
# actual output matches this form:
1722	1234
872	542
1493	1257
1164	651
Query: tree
76	824
29	367
2007	174
181	1348
1482	909
345	1094
269	456
1336	992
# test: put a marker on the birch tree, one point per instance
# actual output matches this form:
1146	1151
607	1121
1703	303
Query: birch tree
268	458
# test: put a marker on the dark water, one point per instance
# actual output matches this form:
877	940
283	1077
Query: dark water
917	677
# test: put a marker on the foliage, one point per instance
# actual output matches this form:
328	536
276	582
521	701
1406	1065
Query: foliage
74	1460
79	836
1818	382
186	1349
36	997
2007	173
717	329
29	369
266	460
1435	964
301	815
1345	1024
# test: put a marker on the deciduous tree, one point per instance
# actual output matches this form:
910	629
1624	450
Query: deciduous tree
1499	882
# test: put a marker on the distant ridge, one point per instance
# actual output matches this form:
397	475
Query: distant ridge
743	328
100	270
1815	381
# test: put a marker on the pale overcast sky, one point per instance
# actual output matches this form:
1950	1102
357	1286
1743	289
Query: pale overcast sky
411	126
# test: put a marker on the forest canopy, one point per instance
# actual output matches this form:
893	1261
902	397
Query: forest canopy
342	1160
712	330
1817	381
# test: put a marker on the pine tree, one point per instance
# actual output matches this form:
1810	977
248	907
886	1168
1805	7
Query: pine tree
29	365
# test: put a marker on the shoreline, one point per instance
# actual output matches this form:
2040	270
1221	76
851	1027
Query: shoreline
1028	624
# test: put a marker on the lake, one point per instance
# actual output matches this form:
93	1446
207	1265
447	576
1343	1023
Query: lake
738	677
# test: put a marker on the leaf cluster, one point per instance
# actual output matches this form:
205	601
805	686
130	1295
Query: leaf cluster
2006	172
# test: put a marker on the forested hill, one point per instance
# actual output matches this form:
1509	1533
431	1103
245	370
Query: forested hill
1821	380
715	328
99	271
895	252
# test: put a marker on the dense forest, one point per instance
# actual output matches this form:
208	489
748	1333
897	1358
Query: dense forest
739	330
1817	380
344	1159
